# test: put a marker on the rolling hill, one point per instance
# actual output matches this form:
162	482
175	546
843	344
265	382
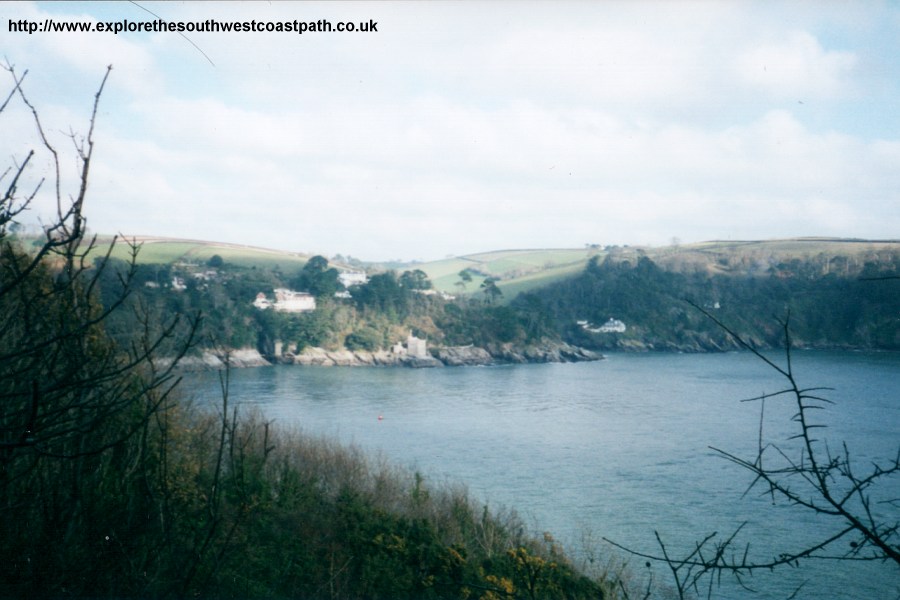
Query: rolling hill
521	270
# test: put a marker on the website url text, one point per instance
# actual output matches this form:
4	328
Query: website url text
208	26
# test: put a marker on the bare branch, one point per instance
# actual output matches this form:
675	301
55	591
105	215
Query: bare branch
809	481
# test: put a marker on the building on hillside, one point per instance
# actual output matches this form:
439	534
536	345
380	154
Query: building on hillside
207	275
290	301
433	292
613	326
286	301
349	278
416	347
261	302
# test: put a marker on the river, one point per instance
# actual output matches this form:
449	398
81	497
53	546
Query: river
618	449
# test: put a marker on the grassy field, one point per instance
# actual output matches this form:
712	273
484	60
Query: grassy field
744	256
164	251
517	270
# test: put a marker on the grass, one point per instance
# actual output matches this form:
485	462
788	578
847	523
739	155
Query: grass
164	251
518	270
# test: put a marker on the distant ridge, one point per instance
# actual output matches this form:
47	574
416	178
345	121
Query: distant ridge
154	239
518	269
806	239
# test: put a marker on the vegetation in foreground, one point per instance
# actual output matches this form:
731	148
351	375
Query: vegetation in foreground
112	487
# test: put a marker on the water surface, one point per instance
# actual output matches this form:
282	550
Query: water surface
619	448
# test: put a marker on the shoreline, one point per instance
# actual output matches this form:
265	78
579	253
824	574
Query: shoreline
458	356
442	356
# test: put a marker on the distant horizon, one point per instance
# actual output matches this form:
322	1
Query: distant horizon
440	128
148	238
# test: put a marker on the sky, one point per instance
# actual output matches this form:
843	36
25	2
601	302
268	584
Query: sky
460	127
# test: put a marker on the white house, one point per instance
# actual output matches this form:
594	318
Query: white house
261	302
613	326
290	301
443	295
286	301
348	278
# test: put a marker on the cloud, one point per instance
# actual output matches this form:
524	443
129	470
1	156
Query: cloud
797	66
458	128
520	175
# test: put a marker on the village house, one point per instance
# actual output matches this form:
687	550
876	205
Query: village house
349	278
443	295
611	326
286	301
261	302
208	275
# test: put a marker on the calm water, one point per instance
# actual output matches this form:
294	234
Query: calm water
617	448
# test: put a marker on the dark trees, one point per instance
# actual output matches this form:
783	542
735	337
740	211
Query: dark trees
415	280
318	278
491	292
384	293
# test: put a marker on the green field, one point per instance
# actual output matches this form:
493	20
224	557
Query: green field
517	270
166	251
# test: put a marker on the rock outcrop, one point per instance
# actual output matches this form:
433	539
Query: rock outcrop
360	358
239	358
460	356
544	353
451	356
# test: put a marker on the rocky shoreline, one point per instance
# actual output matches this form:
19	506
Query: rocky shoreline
442	356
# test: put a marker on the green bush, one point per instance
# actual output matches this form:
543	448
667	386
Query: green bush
365	338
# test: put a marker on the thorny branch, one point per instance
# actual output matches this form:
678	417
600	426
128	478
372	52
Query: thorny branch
817	480
58	379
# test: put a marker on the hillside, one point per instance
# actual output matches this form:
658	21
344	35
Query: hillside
162	250
547	297
524	270
838	294
518	270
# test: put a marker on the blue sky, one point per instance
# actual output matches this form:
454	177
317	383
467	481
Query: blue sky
467	126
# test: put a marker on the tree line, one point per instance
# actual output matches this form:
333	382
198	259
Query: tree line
830	309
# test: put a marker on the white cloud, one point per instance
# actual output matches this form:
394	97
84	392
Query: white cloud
462	126
797	66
